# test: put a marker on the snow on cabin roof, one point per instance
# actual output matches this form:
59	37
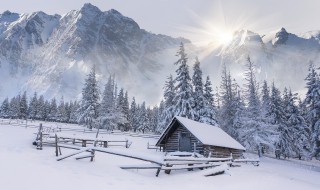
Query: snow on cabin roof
209	134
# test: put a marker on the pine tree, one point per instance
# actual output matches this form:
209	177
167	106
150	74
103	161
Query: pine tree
251	90
61	111
24	106
108	112
52	116
228	107
133	115
33	107
73	112
265	101
168	105
208	112
297	128
143	118
198	96
5	109
15	107
256	133
121	110
183	99
89	107
41	108
312	102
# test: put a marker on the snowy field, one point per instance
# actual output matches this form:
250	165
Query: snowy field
22	166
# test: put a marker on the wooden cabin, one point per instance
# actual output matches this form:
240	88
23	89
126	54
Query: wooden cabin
186	135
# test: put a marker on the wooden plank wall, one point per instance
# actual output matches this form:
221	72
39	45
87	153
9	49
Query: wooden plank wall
222	152
172	143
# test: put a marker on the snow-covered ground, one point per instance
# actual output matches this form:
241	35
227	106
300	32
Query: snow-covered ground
22	166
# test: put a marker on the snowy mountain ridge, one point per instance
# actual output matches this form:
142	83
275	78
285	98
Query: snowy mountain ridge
280	56
52	54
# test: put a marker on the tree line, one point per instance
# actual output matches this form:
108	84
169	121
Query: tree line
257	114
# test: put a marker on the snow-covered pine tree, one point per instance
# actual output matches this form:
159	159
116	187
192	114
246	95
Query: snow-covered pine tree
168	105
89	107
312	102
73	112
133	115
227	110
297	128
184	102
208	112
285	141
199	101
33	107
15	107
265	100
5	109
256	133
143	118
121	110
47	110
251	90
41	108
108	115
24	106
52	116
61	111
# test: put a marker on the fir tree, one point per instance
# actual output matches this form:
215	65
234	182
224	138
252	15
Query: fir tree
52	116
5	109
89	107
41	108
183	99
198	96
24	106
33	107
133	116
208	112
312	102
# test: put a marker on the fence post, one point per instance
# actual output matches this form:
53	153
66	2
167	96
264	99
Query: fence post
127	143
56	141
40	137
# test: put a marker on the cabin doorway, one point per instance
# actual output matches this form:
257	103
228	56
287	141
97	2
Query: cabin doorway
185	142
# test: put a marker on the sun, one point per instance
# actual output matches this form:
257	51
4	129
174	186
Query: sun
224	37
220	36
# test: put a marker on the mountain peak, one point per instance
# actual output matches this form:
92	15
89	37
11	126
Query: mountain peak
8	16
88	7
281	37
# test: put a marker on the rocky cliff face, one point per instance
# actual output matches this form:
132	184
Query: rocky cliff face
52	54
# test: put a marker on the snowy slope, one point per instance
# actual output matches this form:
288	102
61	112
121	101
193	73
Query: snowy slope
24	167
279	56
55	52
52	54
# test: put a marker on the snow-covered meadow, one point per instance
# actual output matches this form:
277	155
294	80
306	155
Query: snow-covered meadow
22	166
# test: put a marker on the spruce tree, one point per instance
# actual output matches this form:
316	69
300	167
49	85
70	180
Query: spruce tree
24	106
33	107
312	102
199	101
184	102
89	107
208	112
5	108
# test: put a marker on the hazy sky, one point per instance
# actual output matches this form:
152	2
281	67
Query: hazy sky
181	17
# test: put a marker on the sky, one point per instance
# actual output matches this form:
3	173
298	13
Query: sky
193	18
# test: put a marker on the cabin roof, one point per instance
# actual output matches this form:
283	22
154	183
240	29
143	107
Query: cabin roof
205	133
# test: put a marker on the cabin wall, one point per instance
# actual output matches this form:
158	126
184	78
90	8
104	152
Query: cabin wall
172	143
222	152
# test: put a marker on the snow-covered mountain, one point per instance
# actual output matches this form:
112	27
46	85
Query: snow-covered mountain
280	56
52	54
